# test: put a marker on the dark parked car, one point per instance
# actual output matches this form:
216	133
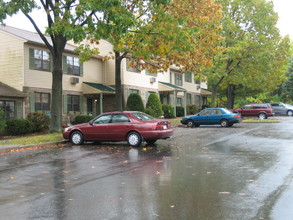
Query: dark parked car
212	116
260	110
282	108
133	127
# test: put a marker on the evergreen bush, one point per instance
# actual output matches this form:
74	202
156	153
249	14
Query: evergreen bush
79	119
155	104
2	121
18	126
134	103
40	121
179	111
168	111
192	109
150	112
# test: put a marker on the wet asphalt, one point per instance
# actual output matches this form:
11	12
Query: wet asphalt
242	172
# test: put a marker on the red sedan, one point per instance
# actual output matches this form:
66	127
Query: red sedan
133	127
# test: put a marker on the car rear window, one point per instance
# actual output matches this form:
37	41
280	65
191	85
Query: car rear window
142	116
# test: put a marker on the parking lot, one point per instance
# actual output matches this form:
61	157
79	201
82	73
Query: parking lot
209	172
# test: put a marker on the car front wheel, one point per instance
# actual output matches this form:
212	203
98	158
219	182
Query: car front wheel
224	123
262	116
76	138
290	113
134	139
190	123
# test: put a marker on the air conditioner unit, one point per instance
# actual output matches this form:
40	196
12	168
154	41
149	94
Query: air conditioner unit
153	79
74	80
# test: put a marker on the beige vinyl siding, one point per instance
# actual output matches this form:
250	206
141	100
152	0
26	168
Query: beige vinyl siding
11	60
36	78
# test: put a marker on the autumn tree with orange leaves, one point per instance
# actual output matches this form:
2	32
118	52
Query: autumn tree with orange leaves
161	34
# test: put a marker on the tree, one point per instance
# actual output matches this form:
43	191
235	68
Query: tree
153	34
254	55
287	86
67	20
157	34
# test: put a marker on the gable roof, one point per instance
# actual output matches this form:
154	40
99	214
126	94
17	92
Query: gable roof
31	36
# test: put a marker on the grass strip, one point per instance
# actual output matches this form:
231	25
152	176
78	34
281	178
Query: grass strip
32	139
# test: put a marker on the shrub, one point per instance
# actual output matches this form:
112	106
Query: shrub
168	111
79	119
179	111
18	126
150	112
40	121
2	122
192	109
155	104
134	103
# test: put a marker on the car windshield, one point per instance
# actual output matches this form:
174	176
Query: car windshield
227	111
288	105
142	116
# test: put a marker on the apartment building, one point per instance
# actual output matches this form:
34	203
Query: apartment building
88	88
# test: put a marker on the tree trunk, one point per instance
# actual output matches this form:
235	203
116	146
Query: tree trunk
230	96
56	101
118	85
214	95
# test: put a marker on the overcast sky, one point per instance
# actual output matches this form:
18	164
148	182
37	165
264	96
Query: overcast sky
283	7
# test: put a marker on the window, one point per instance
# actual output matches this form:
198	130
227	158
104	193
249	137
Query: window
217	112
8	108
104	119
40	60
205	112
197	100
188	99
129	68
120	118
42	102
179	102
133	91
178	79
72	66
188	77
73	103
142	116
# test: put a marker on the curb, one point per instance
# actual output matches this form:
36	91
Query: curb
12	148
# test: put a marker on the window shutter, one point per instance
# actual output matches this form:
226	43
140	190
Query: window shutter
32	99
64	65
81	105
31	59
81	69
19	113
65	109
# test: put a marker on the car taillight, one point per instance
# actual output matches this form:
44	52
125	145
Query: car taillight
237	116
162	125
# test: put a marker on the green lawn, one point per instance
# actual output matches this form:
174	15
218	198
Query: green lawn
32	139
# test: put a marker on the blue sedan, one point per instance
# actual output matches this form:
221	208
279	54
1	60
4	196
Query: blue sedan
212	116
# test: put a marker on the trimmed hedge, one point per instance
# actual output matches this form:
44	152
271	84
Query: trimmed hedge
79	119
192	109
154	104
134	103
2	121
179	111
168	111
18	126
40	121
